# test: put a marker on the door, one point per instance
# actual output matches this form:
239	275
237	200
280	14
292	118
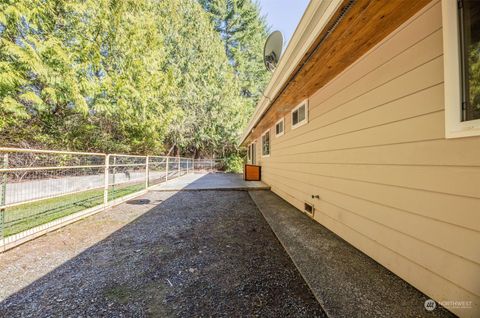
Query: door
253	151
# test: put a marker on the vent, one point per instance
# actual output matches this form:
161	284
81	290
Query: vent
333	26
338	19
309	209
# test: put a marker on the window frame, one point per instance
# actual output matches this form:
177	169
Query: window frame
305	120
282	120
269	144
455	127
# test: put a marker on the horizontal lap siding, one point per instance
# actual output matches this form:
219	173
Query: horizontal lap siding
389	182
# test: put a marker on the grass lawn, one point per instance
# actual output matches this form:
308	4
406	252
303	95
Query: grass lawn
23	217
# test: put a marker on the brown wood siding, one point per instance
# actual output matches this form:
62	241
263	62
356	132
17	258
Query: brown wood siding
389	182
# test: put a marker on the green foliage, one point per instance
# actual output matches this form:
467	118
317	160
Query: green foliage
474	78
243	32
234	163
208	109
136	76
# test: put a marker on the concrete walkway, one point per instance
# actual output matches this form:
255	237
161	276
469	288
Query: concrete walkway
211	181
346	282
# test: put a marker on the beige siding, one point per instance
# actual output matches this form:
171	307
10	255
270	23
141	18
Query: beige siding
389	182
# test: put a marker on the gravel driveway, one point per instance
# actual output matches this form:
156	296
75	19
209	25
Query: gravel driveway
175	254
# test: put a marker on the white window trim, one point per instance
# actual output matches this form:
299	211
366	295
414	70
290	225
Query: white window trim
283	131
454	126
303	122
269	144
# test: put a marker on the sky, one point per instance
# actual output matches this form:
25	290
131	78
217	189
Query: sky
283	15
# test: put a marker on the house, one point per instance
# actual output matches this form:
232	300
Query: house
371	125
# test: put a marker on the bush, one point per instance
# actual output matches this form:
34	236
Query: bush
234	163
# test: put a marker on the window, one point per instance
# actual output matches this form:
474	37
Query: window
300	115
249	153
461	33
469	18
279	127
266	144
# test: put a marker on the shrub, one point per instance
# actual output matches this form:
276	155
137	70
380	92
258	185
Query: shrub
234	163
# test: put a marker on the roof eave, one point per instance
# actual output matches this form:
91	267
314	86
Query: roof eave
295	51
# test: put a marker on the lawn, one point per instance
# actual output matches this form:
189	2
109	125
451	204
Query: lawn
26	216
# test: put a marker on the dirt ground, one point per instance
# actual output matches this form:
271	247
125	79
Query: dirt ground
166	254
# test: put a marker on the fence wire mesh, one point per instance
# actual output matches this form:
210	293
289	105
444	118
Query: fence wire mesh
208	165
127	174
157	170
40	186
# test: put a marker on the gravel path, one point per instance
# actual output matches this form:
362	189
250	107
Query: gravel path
184	254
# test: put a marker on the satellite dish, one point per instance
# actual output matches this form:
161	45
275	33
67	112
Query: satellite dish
273	50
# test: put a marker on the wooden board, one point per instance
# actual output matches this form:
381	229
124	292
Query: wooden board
252	173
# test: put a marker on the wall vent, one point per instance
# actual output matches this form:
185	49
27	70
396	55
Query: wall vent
309	209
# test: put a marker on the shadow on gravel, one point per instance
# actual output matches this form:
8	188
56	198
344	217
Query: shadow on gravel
202	253
138	202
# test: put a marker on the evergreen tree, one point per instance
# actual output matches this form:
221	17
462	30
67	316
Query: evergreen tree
133	76
243	31
208	111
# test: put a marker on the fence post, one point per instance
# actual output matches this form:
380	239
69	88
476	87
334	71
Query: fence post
147	171
166	170
114	174
3	195
105	190
193	165
178	165
211	165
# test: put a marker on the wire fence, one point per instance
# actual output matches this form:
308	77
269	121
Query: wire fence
41	190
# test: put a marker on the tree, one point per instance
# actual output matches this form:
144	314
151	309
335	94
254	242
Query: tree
37	73
208	110
243	31
132	76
